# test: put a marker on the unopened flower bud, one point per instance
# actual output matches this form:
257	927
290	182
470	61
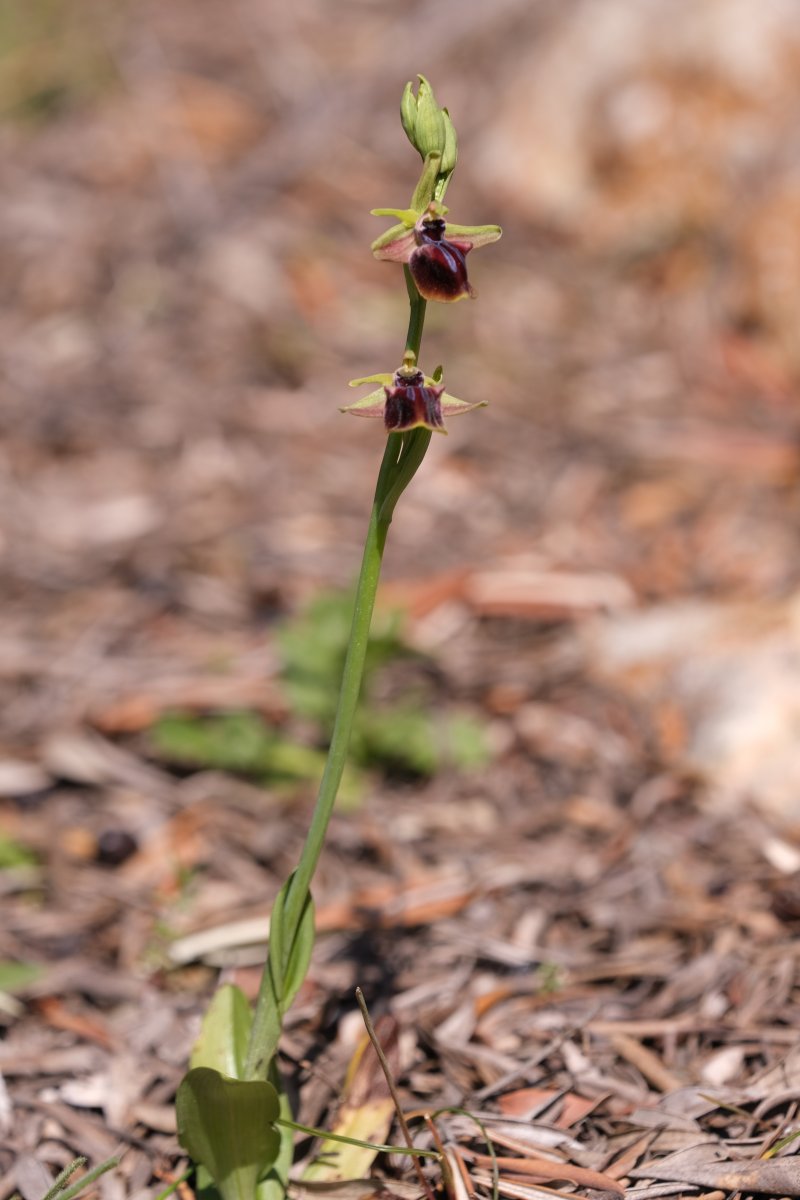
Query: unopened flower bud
423	120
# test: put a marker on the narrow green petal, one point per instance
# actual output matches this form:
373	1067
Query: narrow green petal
409	216
385	379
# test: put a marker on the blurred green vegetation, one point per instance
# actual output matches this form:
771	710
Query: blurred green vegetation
403	736
13	854
54	56
245	744
17	975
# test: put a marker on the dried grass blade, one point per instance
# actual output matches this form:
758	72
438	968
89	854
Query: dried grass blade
542	1168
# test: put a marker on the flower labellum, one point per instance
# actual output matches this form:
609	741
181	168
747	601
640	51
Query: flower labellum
411	402
408	399
438	266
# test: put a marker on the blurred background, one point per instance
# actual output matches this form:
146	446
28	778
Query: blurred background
596	668
187	287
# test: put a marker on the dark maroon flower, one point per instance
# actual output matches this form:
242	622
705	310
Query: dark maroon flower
411	402
408	399
435	250
438	265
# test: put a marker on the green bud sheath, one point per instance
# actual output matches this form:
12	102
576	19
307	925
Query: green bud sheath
450	152
449	156
408	113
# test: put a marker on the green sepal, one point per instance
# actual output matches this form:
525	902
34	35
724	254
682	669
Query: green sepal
453	407
400	238
224	1034
227	1125
478	235
371	405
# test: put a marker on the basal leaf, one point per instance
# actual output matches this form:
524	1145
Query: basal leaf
287	963
222	1044
227	1125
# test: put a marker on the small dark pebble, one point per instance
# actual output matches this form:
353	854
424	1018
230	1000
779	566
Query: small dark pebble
114	846
786	902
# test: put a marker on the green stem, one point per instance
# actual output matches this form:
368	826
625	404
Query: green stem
401	459
416	318
64	1176
173	1187
351	685
262	1034
84	1182
378	1147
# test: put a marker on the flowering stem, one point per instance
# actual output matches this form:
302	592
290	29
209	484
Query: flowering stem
416	441
403	455
416	318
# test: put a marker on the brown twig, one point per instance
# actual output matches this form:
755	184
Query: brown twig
448	1174
387	1072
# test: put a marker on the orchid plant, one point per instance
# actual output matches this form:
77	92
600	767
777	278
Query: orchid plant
234	1117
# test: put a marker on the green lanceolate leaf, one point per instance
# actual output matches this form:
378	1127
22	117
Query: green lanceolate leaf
290	949
224	1034
287	963
227	1126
